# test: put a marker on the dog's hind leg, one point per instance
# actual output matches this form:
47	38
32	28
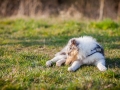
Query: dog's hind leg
101	65
55	59
75	66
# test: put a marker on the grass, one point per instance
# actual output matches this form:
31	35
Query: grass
26	45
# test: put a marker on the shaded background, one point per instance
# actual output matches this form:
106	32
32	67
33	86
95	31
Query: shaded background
93	9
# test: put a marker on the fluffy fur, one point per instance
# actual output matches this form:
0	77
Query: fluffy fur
84	44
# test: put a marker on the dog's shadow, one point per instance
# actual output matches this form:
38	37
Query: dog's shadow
113	62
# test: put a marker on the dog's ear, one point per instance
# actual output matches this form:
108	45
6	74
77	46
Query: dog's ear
74	42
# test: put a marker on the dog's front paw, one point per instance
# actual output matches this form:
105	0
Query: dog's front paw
71	69
58	64
48	63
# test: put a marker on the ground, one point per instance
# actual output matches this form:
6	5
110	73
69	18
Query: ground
26	45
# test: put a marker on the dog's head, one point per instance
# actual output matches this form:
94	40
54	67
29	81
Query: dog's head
72	51
72	46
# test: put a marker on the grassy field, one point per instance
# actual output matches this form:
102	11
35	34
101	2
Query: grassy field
26	45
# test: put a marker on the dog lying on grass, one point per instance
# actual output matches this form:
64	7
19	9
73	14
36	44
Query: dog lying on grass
88	51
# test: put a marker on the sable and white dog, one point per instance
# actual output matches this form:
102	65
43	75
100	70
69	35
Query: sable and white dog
89	52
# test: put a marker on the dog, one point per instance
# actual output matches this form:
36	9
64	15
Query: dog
89	51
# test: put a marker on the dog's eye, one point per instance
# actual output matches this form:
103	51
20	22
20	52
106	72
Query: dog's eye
70	48
69	53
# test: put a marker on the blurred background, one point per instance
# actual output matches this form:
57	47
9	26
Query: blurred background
32	31
92	9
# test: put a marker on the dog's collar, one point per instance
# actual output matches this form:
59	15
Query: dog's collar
97	49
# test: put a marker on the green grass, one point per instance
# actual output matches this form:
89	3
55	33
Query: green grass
26	45
105	24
